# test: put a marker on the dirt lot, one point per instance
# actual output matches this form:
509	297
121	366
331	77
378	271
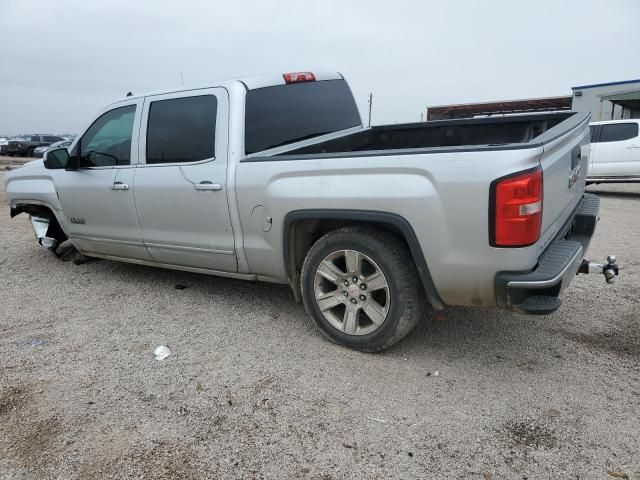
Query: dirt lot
252	390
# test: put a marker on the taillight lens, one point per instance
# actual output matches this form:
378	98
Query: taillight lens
516	203
298	77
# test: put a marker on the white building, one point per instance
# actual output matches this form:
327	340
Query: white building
608	101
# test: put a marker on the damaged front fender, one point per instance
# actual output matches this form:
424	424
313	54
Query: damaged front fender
41	227
45	225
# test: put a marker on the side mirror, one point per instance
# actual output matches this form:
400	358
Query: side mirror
56	159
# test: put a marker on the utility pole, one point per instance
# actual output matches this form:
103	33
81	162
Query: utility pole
370	103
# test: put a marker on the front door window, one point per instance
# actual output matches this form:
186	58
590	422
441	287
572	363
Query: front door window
107	143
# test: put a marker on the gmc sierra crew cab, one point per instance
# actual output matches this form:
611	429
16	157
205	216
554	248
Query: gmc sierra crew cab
274	178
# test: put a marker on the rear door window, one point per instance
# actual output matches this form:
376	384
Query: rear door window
617	132
182	129
285	114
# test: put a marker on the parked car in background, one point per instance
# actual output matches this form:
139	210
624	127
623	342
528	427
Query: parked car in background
4	149
614	154
3	145
25	146
39	152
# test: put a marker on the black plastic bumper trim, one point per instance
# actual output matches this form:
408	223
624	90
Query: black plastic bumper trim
557	265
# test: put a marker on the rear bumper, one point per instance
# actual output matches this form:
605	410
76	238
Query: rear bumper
537	291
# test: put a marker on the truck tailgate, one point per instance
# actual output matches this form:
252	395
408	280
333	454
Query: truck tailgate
564	164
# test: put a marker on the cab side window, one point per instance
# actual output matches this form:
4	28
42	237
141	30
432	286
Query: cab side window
107	143
617	132
182	129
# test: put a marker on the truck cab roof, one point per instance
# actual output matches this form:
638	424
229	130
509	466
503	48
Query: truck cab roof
251	82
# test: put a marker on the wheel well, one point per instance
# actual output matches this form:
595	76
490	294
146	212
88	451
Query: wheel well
54	231
304	228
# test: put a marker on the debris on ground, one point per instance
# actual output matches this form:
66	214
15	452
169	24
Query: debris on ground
376	419
35	342
613	474
81	259
627	476
66	252
161	352
180	286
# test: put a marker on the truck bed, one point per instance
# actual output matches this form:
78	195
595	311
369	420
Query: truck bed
442	133
435	175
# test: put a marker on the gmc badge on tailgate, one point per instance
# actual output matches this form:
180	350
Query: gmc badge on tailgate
574	177
576	157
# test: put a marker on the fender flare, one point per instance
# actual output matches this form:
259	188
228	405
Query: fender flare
370	216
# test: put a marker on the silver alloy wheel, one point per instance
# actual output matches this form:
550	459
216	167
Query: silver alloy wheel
352	292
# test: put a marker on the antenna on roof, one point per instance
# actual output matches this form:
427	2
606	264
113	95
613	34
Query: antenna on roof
181	78
130	94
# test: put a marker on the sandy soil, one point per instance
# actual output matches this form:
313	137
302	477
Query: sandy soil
252	390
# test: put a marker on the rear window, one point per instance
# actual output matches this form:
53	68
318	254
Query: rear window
285	114
616	132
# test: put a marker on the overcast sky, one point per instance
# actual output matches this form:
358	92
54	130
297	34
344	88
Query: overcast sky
61	61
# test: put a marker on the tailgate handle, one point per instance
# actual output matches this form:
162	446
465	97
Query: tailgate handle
208	185
119	186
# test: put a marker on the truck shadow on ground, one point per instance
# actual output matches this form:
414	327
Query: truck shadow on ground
614	194
471	332
480	335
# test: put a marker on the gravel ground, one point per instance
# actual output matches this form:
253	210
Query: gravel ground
252	390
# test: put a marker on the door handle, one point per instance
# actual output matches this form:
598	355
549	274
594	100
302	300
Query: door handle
119	186
207	185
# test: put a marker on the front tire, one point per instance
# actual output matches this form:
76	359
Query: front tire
361	287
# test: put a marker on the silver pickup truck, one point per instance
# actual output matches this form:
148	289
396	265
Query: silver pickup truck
274	178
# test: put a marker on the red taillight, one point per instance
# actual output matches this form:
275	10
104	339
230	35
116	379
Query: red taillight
516	203
298	77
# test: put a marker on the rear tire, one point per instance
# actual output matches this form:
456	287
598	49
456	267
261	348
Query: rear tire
30	152
361	287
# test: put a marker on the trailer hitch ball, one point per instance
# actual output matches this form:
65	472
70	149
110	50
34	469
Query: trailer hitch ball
609	275
609	270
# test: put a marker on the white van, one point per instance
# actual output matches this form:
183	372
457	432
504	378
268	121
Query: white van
615	151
